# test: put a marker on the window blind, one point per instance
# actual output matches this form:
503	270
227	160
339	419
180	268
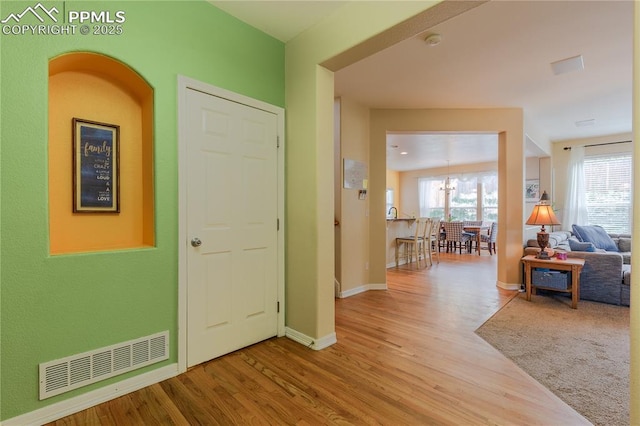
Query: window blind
608	187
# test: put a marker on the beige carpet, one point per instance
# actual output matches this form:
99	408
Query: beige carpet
581	355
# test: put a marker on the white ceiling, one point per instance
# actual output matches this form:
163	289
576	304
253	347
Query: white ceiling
415	151
495	55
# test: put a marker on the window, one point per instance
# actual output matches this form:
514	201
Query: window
490	197
608	191
464	200
472	197
431	197
389	201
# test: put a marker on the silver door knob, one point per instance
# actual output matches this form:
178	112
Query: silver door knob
196	242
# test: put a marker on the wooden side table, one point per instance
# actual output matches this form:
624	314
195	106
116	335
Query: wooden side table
571	264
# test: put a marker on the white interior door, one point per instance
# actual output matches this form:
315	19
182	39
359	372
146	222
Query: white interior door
232	207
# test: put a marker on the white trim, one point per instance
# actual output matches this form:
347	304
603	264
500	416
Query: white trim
362	289
185	83
310	342
82	402
301	338
324	342
507	286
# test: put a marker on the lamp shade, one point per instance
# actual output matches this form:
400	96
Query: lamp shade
542	214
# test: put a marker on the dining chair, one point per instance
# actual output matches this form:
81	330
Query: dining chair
455	236
473	234
411	244
438	232
424	238
431	243
491	238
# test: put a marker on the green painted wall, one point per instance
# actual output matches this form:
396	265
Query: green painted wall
55	306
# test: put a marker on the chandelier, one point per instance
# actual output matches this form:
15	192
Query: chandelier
447	183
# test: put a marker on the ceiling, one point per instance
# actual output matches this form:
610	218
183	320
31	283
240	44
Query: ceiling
498	54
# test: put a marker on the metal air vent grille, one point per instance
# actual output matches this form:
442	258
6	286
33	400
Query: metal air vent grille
72	372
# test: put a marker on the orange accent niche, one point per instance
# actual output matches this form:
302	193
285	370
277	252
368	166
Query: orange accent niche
98	88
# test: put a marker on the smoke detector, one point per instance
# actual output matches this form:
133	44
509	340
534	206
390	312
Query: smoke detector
433	39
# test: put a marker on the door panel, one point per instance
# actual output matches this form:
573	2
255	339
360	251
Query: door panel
232	209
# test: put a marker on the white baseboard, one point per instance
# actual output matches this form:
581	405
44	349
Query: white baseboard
310	342
508	286
82	402
301	338
362	289
325	342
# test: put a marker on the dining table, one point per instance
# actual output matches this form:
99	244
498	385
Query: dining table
477	230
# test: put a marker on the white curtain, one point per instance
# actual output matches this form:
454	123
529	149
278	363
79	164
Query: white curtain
575	200
424	195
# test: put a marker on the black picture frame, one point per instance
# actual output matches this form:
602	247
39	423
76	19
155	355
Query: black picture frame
96	167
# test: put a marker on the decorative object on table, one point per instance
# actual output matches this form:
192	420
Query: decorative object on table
96	164
561	255
543	214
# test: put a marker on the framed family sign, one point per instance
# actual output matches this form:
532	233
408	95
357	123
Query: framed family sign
96	177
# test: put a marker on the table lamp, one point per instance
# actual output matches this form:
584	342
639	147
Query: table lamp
543	214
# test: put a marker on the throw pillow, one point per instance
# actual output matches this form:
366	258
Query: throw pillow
576	245
624	244
596	235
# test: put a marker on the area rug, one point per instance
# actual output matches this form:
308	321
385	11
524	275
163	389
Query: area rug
581	355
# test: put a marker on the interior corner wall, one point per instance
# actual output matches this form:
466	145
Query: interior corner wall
309	99
55	306
532	172
337	195
354	134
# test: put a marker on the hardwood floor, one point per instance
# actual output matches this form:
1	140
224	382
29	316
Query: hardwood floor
405	356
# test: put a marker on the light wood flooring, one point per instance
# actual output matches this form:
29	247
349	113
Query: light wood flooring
405	356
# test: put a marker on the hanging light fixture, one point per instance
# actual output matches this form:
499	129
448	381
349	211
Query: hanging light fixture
447	183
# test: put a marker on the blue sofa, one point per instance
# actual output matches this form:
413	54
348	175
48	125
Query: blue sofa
606	275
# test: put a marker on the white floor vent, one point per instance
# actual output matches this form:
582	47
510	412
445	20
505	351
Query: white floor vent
72	372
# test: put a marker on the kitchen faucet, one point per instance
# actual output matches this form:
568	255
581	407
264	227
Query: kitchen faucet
395	215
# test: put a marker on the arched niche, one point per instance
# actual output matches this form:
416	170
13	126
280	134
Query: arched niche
98	88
